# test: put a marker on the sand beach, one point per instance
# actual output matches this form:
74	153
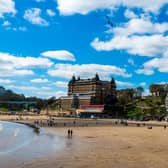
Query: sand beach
101	144
118	147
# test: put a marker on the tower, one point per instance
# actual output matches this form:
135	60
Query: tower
97	77
113	87
70	85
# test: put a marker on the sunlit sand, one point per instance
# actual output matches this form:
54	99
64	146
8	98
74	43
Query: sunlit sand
102	147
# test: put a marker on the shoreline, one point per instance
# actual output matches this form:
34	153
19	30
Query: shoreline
107	146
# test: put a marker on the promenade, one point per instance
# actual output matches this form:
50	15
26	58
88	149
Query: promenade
48	121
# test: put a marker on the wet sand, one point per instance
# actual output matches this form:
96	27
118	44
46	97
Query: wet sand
20	144
109	147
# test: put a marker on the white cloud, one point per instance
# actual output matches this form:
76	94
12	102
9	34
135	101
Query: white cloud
126	84
39	80
49	94
6	23
70	7
33	16
15	72
160	63
50	12
6	81
24	88
60	93
156	63
142	84
46	88
7	6
22	28
142	37
87	70
138	36
11	65
60	55
61	84
130	14
139	26
162	83
138	45
145	71
44	92
9	60
131	61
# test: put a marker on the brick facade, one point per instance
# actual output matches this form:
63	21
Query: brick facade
88	91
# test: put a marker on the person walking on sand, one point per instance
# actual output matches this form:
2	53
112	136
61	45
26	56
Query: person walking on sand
164	126
71	132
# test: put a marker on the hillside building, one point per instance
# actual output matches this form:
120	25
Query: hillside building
88	92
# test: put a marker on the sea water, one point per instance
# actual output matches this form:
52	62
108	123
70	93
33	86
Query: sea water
20	144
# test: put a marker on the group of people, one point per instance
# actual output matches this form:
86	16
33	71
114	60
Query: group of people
70	133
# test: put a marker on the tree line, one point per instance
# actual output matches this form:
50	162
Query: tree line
9	96
131	104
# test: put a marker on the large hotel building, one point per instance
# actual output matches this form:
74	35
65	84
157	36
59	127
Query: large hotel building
88	92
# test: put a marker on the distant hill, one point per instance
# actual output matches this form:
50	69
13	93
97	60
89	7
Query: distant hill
9	95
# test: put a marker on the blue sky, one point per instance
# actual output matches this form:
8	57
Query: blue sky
44	42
